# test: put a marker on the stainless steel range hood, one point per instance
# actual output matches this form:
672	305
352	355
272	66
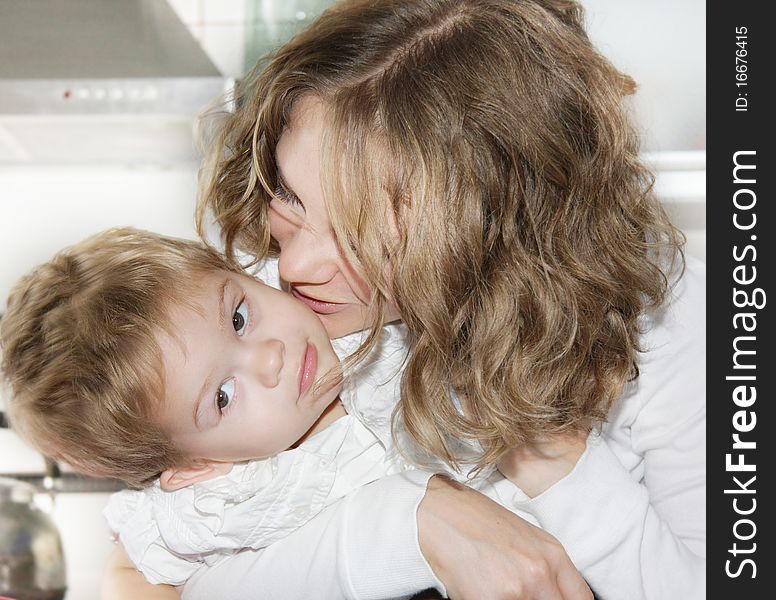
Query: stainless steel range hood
63	56
95	71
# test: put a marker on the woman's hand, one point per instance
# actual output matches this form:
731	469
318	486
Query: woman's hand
123	582
536	468
479	549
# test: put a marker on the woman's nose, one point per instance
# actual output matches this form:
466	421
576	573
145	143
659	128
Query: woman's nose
308	257
267	361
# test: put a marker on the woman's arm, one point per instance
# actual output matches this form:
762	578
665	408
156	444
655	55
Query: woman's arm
631	514
368	546
363	546
123	582
617	533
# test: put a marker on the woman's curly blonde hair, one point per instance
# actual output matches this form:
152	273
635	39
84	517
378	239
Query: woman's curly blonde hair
527	240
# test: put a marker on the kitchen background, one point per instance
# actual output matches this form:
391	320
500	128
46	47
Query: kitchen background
98	101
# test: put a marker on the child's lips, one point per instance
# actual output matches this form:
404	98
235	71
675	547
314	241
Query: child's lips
308	369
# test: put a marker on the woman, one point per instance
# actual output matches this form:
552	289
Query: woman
465	166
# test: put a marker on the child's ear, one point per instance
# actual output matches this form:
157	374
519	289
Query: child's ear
176	478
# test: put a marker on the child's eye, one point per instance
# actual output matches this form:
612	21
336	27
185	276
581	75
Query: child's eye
225	394
240	318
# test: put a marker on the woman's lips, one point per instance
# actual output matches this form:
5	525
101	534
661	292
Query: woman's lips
308	368
319	306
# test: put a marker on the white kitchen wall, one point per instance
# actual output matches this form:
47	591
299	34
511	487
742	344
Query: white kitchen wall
219	26
46	207
662	45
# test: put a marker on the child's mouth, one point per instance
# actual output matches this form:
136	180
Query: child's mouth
308	368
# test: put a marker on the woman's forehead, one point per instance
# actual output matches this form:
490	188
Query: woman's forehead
298	154
306	112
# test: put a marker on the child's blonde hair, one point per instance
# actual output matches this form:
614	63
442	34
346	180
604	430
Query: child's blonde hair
80	351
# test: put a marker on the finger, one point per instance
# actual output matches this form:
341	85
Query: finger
570	582
541	583
572	585
549	593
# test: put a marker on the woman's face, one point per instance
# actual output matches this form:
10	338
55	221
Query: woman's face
311	261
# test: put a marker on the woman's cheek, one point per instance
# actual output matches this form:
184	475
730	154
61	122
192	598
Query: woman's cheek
279	228
357	283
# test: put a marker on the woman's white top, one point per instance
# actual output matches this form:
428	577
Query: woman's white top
631	515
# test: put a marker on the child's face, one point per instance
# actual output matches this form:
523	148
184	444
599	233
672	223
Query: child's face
241	372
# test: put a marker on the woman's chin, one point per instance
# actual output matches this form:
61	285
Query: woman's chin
341	324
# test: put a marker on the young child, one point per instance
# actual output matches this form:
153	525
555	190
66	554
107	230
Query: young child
150	359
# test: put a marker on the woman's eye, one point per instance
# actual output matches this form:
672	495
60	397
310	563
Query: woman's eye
289	198
240	318
225	394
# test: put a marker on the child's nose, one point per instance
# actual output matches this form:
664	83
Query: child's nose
268	361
